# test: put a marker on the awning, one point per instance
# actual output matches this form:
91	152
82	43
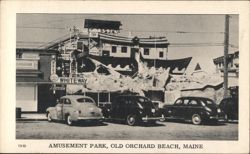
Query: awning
31	80
28	73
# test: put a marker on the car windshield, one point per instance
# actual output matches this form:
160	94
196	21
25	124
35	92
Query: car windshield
144	102
85	100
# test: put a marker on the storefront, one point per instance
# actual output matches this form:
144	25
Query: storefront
33	86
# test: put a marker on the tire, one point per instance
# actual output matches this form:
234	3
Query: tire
68	120
163	118
196	119
49	117
131	120
226	118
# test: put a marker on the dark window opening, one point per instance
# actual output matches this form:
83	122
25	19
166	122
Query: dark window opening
161	54
80	45
105	53
113	49
85	65
146	51
103	70
124	49
103	97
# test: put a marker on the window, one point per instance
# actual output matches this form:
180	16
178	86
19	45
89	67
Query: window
67	101
113	49
178	102
124	49
161	54
103	70
193	102
146	51
85	100
185	102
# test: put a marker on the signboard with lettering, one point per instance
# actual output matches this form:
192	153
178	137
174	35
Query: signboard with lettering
24	64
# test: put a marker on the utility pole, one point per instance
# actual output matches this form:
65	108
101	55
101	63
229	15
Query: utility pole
226	43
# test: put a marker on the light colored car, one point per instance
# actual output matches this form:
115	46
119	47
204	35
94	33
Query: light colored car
72	108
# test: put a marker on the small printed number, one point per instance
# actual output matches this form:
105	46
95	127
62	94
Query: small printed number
21	145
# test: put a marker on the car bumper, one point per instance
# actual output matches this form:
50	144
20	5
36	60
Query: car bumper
90	118
145	119
219	118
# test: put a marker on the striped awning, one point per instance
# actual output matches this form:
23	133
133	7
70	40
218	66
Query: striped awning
159	42
115	39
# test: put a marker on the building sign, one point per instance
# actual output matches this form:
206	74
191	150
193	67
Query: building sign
31	56
54	87
68	80
23	64
72	80
53	67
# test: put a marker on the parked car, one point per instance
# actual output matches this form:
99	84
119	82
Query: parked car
132	109
230	107
72	108
196	109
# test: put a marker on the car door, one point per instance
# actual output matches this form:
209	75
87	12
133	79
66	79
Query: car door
194	107
184	108
180	109
66	106
59	109
175	110
116	110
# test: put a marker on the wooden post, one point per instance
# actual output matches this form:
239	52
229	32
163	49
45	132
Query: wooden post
226	42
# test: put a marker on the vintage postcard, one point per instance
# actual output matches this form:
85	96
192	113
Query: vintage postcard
95	77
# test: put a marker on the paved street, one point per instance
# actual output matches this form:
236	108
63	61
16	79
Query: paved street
171	130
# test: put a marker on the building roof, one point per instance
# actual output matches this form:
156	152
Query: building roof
159	42
55	44
230	56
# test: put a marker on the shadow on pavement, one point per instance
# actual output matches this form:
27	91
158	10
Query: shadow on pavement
89	124
208	123
143	124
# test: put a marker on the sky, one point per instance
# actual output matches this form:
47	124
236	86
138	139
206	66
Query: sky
36	30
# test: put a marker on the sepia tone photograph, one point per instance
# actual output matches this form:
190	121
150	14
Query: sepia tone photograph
127	76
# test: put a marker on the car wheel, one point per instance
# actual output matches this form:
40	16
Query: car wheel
163	118
69	121
131	120
226	118
49	117
196	119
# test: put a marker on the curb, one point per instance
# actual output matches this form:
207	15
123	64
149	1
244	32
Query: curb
29	119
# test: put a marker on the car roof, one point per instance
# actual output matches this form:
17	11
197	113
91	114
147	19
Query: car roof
194	97
130	96
75	96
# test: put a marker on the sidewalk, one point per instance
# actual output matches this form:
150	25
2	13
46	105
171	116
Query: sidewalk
32	116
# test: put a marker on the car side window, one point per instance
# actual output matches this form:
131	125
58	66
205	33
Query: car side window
67	101
185	102
178	102
193	103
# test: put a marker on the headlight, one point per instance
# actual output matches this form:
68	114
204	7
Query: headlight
219	110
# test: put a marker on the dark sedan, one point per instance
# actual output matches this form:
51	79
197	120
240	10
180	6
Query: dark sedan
230	107
132	109
196	109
